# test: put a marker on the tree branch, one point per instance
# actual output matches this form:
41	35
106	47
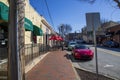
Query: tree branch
118	3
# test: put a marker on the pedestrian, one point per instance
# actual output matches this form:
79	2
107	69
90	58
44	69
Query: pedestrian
62	46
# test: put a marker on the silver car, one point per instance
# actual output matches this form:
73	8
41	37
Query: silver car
71	45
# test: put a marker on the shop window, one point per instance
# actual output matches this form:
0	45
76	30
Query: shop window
1	33
35	39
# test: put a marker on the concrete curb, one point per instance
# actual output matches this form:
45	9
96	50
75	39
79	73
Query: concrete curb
77	76
78	67
34	62
95	73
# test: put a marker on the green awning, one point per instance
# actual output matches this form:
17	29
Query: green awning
28	25
37	31
4	10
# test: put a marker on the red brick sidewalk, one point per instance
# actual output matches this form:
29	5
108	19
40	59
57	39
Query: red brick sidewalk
55	66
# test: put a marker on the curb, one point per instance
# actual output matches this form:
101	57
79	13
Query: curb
78	67
75	65
107	76
76	74
30	65
78	77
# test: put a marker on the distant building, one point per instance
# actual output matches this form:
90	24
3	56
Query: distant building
36	27
93	22
107	31
74	36
84	34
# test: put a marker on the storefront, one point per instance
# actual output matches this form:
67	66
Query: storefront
3	24
36	32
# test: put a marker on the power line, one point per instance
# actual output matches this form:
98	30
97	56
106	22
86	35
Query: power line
43	14
49	14
42	11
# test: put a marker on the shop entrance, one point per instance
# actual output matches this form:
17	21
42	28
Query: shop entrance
3	40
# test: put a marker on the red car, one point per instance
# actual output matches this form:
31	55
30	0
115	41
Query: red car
82	52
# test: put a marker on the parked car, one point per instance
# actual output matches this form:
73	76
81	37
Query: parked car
111	44
66	43
82	52
80	41
71	45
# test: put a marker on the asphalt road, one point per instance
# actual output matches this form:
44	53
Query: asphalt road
108	62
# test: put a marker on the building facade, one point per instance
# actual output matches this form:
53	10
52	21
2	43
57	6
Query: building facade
35	25
37	32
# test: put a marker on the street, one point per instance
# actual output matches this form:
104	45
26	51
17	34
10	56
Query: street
108	62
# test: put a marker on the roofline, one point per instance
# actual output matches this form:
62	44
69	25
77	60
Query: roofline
47	24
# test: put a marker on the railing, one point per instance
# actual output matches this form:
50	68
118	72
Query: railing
34	50
31	51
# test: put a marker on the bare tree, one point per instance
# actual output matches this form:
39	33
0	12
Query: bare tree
104	21
64	29
118	2
92	1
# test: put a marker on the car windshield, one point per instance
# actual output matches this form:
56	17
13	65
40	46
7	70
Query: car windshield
81	47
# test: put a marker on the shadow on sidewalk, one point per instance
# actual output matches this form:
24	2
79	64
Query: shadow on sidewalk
67	56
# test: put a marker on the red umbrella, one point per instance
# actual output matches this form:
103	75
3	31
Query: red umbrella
59	38
53	37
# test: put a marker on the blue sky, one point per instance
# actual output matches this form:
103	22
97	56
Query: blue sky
72	12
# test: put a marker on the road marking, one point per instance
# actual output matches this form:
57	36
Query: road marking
109	52
108	65
114	54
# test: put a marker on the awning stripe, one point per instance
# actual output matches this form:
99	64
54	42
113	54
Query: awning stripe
37	31
4	10
28	25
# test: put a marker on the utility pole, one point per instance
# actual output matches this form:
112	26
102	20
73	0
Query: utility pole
16	40
95	45
62	30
